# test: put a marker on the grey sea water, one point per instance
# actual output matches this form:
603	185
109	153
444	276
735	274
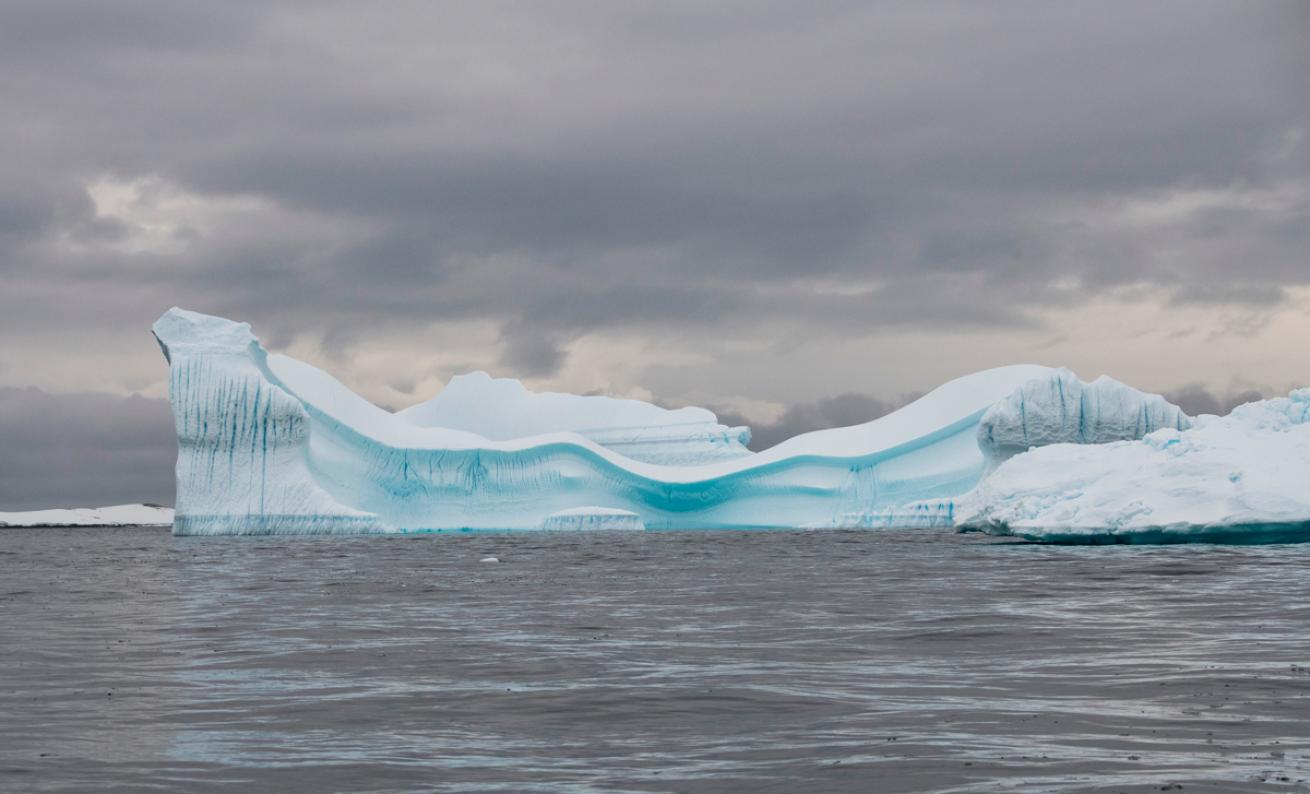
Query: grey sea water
691	662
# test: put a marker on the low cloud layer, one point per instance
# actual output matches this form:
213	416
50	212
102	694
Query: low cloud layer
84	450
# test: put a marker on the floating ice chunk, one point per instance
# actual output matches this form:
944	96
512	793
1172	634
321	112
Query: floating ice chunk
1243	477
1061	409
593	518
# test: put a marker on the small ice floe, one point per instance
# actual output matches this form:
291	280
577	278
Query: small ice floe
489	559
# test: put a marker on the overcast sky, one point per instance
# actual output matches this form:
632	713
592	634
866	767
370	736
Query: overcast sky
795	213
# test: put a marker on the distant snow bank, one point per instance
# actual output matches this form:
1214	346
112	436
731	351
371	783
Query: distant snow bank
1244	477
111	516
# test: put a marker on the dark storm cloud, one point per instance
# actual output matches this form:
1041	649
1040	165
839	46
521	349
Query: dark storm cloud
741	144
82	450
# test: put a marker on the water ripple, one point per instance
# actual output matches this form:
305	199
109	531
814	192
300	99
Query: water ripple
638	662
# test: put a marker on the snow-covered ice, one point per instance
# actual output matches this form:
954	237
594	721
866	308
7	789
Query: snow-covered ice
499	409
111	516
1060	409
268	444
1053	408
1242	477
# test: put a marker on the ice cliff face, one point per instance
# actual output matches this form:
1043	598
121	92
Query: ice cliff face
1061	409
502	408
242	464
268	444
1242	477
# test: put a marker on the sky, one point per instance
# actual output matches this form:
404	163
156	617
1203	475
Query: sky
797	214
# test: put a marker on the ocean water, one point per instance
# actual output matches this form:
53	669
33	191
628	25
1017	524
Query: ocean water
131	660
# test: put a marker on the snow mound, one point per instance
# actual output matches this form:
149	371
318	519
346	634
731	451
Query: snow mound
500	409
112	516
1240	478
1061	409
593	518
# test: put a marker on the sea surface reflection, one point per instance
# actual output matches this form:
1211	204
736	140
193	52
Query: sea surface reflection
691	662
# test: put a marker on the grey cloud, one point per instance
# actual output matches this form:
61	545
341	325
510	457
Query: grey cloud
1243	294
530	353
1197	399
84	449
584	167
841	410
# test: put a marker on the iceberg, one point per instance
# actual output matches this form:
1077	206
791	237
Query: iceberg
1244	477
1061	409
271	445
500	409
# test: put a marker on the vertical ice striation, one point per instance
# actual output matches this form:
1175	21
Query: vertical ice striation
1061	409
242	441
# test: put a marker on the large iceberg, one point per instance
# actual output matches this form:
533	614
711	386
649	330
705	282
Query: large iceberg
269	444
1244	477
500	409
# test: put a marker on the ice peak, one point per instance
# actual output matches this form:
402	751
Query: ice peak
182	327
